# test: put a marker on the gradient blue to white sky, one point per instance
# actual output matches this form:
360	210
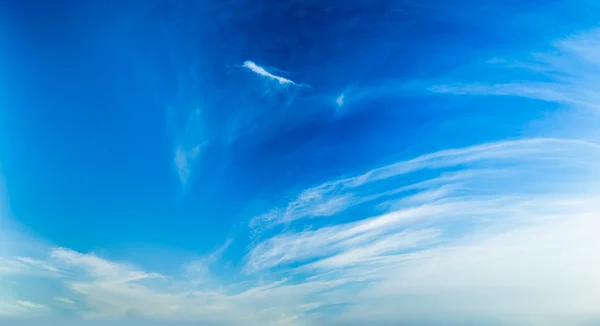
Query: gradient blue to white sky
299	162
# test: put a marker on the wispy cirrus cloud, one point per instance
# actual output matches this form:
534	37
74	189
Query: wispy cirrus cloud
263	72
487	218
509	215
199	269
333	197
184	161
572	73
98	267
190	141
66	301
501	177
109	289
21	308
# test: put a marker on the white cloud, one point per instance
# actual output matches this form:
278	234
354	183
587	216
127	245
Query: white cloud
340	100
31	305
97	267
488	238
184	159
39	263
263	72
28	266
333	197
572	69
66	301
109	289
509	245
191	139
200	268
542	272
21	308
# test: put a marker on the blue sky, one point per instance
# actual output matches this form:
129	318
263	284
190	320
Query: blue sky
299	162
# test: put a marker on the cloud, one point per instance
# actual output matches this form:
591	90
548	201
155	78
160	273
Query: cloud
38	263
201	267
483	233
31	305
97	267
340	100
21	308
333	197
184	160
509	245
571	71
109	289
191	141
540	272
263	72
28	266
66	301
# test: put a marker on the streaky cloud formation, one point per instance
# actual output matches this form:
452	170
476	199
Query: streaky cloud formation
20	308
335	196
488	190
573	69
519	230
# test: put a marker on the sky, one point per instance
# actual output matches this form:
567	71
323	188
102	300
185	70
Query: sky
355	162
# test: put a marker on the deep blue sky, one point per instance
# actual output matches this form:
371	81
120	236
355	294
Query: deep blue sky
137	124
90	136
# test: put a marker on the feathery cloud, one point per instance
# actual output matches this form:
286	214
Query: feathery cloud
66	301
263	72
21	308
572	72
333	197
184	160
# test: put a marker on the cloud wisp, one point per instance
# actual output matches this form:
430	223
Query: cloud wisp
333	197
502	179
263	72
572	73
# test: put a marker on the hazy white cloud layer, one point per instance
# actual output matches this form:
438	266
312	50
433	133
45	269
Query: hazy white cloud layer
525	249
501	233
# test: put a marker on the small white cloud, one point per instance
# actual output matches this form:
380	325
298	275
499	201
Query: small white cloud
98	267
65	301
38	263
340	100
184	159
201	267
31	305
21	308
263	72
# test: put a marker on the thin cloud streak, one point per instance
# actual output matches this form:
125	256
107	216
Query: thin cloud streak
573	70
333	197
263	72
